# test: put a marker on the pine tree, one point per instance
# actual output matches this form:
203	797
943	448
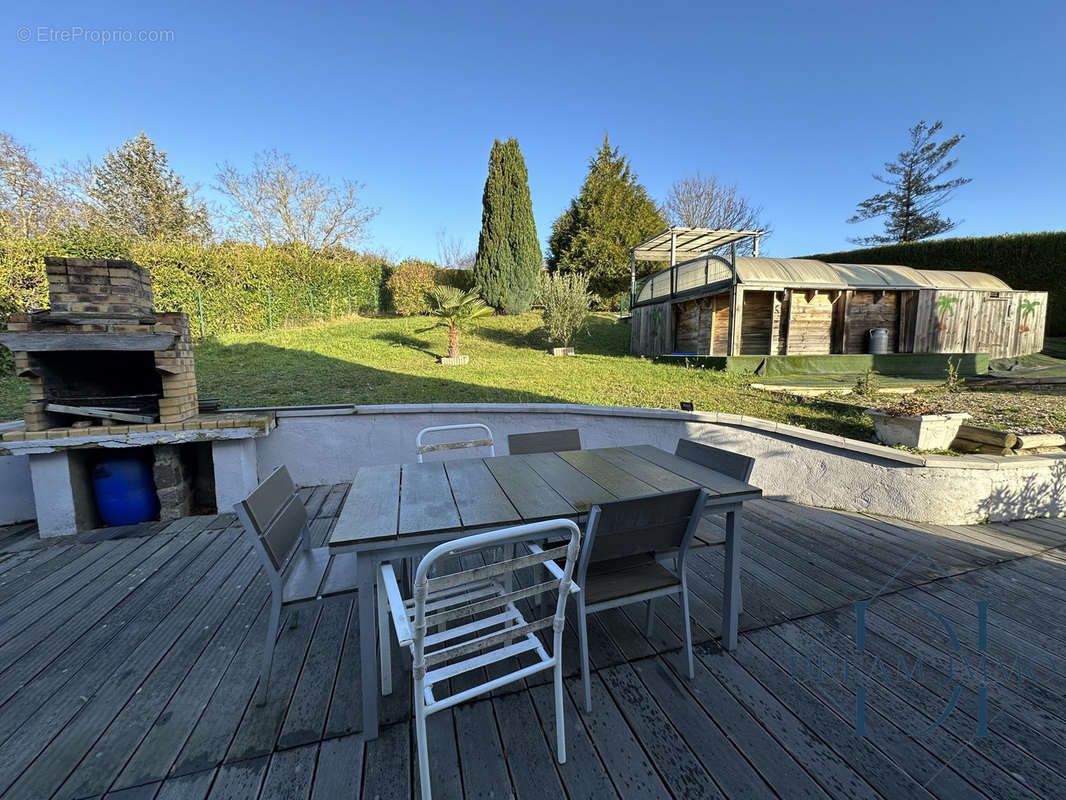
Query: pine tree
134	192
508	259
914	196
612	213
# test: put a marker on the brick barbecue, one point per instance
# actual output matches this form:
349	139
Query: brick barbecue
101	355
110	376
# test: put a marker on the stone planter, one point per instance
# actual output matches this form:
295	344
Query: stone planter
923	432
458	361
562	351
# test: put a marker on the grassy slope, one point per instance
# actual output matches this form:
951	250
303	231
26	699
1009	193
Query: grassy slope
392	360
395	361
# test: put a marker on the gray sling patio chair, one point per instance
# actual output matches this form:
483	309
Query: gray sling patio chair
735	465
275	521
485	624
620	561
544	441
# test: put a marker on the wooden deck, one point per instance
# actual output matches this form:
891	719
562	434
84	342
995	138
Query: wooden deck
127	667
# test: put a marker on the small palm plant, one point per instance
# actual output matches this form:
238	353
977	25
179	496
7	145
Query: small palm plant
455	309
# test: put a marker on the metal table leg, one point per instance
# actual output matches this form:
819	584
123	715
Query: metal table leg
368	644
731	583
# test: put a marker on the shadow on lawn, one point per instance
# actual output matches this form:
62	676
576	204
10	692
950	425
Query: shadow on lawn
405	340
601	337
261	375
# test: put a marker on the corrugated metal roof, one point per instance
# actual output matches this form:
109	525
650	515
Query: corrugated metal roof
801	273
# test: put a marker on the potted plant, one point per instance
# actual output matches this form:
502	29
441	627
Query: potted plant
915	422
566	301
455	309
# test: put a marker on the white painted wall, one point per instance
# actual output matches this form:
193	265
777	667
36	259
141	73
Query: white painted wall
328	445
16	490
325	446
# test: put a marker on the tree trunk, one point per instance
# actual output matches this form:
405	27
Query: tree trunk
453	342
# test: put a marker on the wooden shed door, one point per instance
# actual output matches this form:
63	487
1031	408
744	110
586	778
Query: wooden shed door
866	310
756	322
994	321
810	324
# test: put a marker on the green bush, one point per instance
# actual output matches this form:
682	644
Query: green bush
566	306
1027	261
409	284
461	279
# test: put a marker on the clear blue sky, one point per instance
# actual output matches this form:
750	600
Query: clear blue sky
797	102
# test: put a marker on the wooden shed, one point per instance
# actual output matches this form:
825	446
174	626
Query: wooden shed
717	306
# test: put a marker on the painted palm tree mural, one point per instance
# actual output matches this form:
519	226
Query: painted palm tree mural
1027	307
945	307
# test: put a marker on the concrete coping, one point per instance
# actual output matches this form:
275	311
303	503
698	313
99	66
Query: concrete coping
901	457
114	437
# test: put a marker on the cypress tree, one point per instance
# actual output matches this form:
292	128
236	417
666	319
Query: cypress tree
611	213
508	254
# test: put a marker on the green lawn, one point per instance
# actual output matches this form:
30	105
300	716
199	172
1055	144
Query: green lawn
394	360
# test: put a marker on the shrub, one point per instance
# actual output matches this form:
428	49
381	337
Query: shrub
913	406
409	284
566	301
461	279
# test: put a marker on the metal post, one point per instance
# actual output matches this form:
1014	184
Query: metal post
732	297
270	309
673	262
632	276
200	308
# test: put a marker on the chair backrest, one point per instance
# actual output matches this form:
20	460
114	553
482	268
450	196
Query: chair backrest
727	462
479	617
641	525
274	515
421	448
544	441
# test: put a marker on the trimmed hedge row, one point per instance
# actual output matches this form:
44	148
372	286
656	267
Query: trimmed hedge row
1028	261
224	288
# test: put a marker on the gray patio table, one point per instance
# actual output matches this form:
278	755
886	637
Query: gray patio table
398	511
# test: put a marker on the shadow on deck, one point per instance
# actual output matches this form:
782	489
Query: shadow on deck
127	665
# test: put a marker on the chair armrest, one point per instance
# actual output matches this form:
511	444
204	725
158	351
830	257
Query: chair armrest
552	567
396	607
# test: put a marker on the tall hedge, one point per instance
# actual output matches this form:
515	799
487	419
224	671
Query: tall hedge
228	287
1029	261
508	259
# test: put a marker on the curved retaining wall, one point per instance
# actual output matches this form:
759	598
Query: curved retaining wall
323	445
327	444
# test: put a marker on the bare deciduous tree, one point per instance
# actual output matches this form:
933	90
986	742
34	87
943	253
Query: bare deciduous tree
705	202
31	201
452	252
279	203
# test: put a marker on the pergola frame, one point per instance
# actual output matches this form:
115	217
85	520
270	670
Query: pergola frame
690	243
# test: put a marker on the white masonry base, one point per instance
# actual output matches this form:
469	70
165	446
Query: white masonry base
236	472
63	493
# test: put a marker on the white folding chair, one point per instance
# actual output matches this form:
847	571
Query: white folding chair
421	448
487	627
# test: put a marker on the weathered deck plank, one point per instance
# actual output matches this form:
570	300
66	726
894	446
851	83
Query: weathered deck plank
127	668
